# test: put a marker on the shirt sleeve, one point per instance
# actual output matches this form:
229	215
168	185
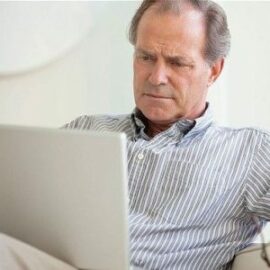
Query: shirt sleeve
81	122
258	183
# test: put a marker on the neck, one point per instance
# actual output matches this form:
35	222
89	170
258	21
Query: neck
152	129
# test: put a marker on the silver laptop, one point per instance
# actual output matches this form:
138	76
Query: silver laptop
65	192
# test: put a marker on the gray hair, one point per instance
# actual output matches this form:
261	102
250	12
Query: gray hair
218	38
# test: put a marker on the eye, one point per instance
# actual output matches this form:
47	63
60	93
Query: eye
147	58
178	64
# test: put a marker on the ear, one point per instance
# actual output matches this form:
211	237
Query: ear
215	71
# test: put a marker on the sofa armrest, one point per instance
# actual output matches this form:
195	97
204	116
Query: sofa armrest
250	259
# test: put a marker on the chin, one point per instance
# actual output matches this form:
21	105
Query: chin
157	116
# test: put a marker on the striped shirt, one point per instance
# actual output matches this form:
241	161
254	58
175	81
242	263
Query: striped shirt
194	190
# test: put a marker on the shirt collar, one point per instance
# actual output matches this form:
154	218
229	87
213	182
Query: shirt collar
185	126
202	122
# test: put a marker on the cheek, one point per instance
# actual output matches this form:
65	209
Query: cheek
135	78
139	78
181	88
136	74
141	71
138	81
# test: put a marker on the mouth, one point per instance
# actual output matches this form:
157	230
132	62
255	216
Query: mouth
157	96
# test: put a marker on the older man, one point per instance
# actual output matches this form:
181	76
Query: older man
195	188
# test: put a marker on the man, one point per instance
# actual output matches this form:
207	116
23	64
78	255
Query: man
195	188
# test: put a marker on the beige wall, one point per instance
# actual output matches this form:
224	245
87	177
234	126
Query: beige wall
248	80
93	76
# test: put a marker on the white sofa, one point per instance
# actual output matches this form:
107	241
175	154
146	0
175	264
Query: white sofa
250	259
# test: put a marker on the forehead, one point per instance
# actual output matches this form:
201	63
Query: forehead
170	32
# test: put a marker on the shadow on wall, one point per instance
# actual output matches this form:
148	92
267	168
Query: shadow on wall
65	65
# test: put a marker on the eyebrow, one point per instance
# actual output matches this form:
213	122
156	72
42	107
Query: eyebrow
142	51
177	58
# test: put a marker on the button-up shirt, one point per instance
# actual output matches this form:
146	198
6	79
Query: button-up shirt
194	190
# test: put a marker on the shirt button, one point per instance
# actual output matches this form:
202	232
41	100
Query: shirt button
140	156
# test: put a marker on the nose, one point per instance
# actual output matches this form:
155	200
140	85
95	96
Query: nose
158	74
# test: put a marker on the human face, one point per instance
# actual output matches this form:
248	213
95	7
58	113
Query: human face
171	76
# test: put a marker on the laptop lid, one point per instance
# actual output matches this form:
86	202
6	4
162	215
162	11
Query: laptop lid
65	192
